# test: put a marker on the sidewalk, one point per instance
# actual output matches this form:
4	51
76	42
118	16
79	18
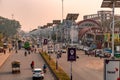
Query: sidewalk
3	57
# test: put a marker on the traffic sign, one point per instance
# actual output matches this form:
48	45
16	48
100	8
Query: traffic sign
111	69
71	54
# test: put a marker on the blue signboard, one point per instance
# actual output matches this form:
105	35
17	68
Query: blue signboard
71	54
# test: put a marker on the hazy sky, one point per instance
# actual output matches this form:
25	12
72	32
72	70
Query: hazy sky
34	13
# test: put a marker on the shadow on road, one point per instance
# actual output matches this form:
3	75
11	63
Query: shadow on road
5	73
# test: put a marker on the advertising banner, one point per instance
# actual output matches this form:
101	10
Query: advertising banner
71	54
111	69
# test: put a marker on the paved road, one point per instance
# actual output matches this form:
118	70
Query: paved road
85	68
26	72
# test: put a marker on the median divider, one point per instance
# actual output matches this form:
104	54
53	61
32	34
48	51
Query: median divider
59	73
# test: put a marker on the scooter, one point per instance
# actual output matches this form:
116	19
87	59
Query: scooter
44	70
32	66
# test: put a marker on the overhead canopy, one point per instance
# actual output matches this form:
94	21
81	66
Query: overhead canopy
109	3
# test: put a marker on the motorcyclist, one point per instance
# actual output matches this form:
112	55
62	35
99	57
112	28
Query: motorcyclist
25	53
44	68
32	64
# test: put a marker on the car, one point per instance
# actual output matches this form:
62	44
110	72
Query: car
51	51
89	52
80	47
38	74
64	45
98	53
86	48
107	52
63	51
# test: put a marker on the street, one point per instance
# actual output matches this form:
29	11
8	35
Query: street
84	68
25	70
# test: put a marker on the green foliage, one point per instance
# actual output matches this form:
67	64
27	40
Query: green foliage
1	37
53	36
59	72
9	27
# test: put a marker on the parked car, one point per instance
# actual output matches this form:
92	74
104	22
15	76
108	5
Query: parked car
86	48
80	47
107	52
98	53
102	53
38	74
64	45
63	51
89	52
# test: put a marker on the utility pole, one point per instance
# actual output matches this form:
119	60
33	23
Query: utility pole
62	10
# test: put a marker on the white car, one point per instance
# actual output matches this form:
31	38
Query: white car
86	48
38	74
63	51
50	51
80	47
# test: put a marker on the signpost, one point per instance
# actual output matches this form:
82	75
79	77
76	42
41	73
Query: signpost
71	57
112	69
72	51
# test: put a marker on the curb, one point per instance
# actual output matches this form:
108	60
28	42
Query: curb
55	77
6	56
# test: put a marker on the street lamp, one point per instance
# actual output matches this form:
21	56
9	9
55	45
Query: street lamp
111	4
56	22
62	10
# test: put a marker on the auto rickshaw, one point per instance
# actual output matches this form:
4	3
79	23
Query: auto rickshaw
15	67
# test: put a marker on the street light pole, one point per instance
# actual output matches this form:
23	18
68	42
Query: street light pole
56	52
111	4
62	10
113	30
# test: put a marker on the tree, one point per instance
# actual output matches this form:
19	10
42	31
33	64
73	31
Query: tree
9	27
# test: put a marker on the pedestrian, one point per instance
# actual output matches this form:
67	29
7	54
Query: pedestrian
35	50
16	51
29	52
25	53
4	51
9	49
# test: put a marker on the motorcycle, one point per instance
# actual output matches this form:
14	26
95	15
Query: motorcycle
32	67
44	70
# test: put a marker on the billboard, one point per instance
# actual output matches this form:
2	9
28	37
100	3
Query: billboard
111	69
